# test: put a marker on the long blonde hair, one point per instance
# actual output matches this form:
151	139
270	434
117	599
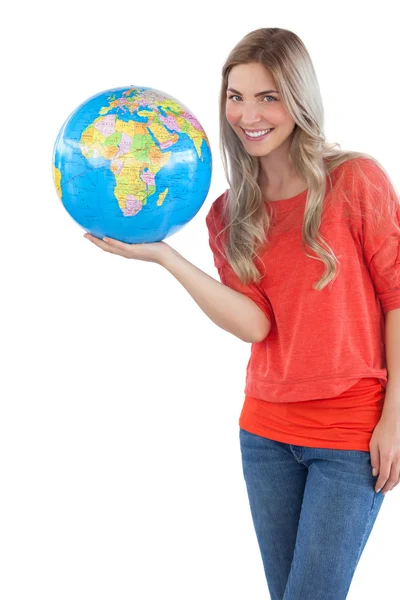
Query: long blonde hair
284	55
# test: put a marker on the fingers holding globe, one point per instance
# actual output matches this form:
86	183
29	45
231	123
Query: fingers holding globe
132	164
155	252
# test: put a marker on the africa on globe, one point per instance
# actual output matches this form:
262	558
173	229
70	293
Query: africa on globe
133	164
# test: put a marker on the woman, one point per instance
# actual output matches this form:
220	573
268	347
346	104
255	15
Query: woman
320	411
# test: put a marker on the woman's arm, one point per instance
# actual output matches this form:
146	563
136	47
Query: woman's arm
231	310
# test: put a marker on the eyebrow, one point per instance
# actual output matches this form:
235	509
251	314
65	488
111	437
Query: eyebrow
255	95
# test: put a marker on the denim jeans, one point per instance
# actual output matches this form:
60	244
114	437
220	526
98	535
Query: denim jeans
313	510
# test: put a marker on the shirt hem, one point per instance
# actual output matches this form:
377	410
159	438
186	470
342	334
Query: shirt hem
308	389
300	441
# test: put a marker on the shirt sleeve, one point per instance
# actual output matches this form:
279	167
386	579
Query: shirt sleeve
381	241
226	274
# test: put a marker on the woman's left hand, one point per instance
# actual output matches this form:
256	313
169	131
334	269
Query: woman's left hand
385	447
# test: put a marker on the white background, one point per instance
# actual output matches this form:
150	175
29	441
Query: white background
120	465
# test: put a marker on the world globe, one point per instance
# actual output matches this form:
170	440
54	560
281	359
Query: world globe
133	164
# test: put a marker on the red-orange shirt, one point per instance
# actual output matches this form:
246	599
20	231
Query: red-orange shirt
345	422
325	355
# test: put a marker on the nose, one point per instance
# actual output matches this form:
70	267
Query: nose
251	114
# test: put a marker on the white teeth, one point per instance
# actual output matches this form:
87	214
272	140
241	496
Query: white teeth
258	134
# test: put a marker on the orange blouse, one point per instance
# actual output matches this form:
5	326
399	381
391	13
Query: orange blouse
319	376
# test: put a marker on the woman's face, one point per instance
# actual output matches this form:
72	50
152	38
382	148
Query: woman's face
248	109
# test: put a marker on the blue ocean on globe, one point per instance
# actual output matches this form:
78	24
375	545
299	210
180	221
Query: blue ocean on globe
133	164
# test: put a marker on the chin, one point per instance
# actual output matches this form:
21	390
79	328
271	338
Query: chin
261	152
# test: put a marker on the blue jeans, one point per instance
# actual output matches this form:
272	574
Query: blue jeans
313	510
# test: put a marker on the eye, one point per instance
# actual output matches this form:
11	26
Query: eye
266	96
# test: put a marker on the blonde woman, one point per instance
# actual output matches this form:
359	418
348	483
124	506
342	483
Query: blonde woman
306	243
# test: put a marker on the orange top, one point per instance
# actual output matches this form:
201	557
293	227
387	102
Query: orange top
318	378
345	422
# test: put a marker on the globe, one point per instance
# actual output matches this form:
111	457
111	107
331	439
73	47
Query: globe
133	164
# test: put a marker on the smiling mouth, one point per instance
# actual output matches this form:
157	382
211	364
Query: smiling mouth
258	137
255	130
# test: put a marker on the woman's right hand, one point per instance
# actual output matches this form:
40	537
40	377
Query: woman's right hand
151	252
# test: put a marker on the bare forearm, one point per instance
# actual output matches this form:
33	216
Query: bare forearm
232	311
392	347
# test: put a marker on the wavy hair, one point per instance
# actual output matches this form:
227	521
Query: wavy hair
284	55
